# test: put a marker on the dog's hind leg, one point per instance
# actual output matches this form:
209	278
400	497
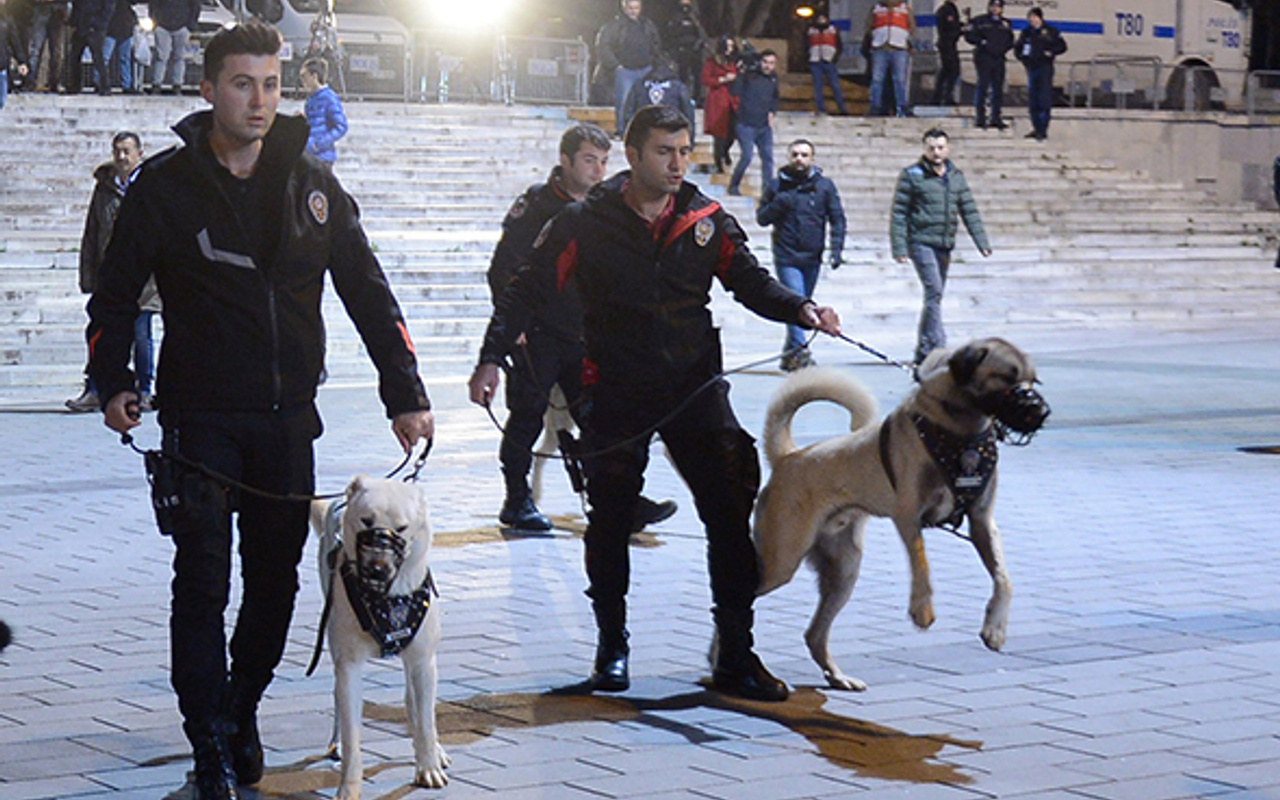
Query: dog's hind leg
986	540
837	558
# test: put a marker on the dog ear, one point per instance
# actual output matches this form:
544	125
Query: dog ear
964	362
356	486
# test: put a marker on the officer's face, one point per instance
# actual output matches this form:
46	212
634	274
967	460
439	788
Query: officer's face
244	97
631	8
801	157
585	169
659	167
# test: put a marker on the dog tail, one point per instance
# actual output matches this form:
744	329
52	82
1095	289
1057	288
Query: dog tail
804	387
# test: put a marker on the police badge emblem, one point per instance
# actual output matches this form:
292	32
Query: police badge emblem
703	231
319	206
518	207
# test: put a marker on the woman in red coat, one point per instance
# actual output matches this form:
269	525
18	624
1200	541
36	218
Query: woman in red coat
718	73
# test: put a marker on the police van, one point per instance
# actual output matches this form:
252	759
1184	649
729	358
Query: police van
1200	46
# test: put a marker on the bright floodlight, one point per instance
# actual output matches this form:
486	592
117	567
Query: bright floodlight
478	14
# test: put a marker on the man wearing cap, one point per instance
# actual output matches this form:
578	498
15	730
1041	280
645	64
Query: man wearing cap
992	37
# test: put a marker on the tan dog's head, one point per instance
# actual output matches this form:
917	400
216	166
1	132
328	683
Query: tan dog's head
386	532
994	378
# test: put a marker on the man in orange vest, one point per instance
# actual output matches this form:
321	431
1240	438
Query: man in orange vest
824	52
891	25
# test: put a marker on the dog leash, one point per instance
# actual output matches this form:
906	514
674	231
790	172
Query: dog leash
866	348
150	455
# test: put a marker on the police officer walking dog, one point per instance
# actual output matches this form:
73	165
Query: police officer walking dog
641	253
239	228
550	351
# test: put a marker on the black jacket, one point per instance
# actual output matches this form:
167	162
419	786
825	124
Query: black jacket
104	204
629	43
242	335
91	15
644	293
174	14
991	38
799	209
123	21
758	97
660	87
1038	48
562	315
949	25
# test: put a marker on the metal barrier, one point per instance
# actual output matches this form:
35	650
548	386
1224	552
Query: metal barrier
1119	81
534	70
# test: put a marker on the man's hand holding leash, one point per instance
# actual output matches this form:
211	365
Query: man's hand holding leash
483	384
412	427
822	318
123	412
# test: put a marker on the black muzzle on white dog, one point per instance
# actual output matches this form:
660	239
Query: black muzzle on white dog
379	556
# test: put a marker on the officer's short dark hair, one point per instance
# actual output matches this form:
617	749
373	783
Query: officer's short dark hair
318	67
934	133
584	133
664	118
123	136
253	38
1036	12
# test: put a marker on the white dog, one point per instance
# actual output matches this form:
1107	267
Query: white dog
381	602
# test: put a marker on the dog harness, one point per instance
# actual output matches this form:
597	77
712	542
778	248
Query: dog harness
392	620
967	462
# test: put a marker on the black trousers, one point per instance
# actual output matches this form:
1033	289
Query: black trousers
95	40
718	461
542	363
268	451
944	84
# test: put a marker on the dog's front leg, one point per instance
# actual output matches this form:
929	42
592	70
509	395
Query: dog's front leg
986	539
348	703
921	604
430	758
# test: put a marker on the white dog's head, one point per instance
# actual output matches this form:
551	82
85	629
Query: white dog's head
386	533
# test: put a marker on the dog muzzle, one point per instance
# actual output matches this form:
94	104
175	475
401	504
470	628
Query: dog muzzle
1019	413
379	556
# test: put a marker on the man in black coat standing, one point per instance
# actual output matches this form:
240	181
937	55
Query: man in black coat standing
992	37
90	19
950	29
1038	44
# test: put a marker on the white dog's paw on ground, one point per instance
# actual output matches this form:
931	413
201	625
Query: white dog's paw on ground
434	777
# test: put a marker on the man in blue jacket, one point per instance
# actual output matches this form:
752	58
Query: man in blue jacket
325	115
240	227
799	205
757	91
1037	46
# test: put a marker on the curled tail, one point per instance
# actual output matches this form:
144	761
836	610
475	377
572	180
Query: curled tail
804	387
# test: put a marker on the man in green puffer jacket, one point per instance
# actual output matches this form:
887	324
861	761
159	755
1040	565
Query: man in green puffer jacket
930	195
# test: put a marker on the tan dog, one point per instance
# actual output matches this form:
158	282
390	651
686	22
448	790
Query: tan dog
379	583
817	501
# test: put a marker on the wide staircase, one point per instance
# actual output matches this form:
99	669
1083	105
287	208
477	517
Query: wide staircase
1078	245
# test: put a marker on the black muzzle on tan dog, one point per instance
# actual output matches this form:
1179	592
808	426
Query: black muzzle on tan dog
1019	412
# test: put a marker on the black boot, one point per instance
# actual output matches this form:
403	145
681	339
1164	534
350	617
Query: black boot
738	671
215	779
609	674
243	741
649	512
522	514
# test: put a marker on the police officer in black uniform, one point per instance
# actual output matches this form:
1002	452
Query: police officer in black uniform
550	351
641	252
239	227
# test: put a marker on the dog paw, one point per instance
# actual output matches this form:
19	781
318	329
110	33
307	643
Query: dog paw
993	637
922	615
431	778
845	683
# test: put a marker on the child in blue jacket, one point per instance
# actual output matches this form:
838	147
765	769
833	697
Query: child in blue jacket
324	111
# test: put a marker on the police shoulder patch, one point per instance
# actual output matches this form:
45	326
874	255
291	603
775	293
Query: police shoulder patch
519	206
318	204
703	231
